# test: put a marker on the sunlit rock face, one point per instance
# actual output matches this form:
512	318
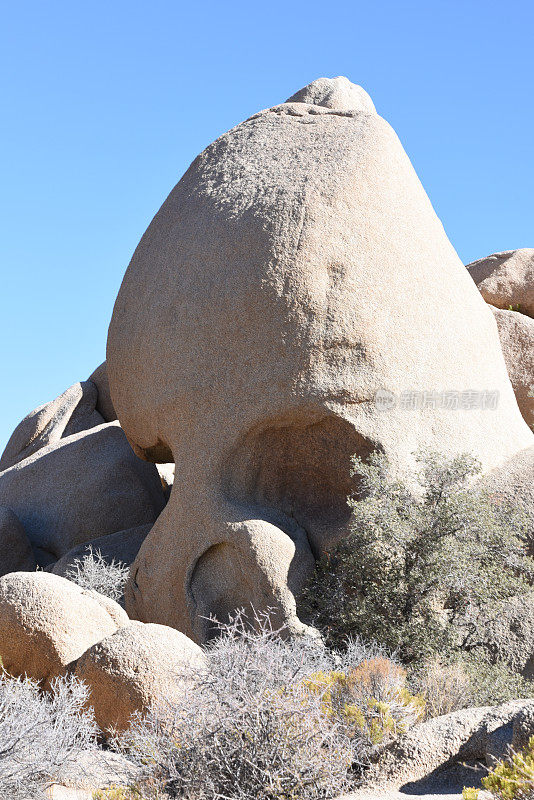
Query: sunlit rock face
295	271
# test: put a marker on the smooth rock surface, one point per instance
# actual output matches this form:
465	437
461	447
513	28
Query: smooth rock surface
136	667
296	271
71	412
84	486
46	622
516	333
506	279
120	546
104	403
16	552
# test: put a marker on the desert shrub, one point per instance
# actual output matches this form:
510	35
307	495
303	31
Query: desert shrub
424	554
445	687
117	793
493	683
92	571
41	734
504	631
470	793
370	701
466	679
513	778
260	724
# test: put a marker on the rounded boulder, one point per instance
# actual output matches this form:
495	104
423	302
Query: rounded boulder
135	668
47	622
516	332
506	280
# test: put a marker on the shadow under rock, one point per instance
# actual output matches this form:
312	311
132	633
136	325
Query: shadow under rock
447	780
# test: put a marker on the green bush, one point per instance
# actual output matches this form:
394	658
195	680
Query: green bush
492	684
118	793
470	793
513	778
425	554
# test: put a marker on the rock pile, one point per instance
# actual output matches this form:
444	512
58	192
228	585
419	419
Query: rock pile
50	627
68	476
47	622
296	272
294	302
506	282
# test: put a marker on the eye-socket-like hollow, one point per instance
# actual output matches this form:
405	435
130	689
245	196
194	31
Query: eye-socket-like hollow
301	467
215	590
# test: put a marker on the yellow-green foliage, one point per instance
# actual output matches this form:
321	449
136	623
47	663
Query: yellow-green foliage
513	779
117	793
470	794
370	701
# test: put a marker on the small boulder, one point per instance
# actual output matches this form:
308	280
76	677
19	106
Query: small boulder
516	332
47	622
104	403
121	546
16	553
84	486
71	412
135	668
506	279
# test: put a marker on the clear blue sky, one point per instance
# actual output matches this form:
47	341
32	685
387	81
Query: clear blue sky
105	104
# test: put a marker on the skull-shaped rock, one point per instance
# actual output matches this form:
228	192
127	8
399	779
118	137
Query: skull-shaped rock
295	301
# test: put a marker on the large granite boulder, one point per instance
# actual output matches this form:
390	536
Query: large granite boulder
135	668
516	332
16	552
470	735
506	280
84	486
71	412
121	546
47	622
295	301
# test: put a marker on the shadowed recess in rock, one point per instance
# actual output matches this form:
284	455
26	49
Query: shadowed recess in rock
301	467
